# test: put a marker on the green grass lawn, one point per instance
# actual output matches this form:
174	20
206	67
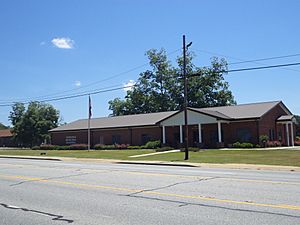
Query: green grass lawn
265	157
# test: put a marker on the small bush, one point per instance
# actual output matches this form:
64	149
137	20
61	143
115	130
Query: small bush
79	147
273	144
236	145
134	147
35	148
48	147
263	139
121	146
152	144
104	147
242	145
63	147
163	149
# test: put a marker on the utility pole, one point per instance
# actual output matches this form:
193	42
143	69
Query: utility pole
186	136
185	104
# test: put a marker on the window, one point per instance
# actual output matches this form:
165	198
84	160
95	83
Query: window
70	140
243	135
145	138
116	139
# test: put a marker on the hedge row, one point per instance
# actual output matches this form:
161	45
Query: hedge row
58	147
148	145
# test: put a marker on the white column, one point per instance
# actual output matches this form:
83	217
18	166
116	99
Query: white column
164	134
292	134
287	134
200	133
219	131
181	134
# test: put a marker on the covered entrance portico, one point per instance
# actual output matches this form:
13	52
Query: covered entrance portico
287	122
173	126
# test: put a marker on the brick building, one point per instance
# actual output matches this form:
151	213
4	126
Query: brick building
208	127
6	138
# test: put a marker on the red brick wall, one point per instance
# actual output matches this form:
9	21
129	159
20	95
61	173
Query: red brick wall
59	138
132	136
268	121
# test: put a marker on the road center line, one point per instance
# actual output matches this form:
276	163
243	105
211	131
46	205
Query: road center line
281	206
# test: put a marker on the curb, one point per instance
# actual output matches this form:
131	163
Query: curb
30	157
162	163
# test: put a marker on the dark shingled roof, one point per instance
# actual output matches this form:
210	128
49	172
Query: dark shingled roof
117	121
235	112
243	111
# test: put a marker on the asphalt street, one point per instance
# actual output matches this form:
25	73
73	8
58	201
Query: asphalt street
78	192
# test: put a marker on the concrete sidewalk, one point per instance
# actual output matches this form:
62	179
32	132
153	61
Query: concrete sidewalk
163	163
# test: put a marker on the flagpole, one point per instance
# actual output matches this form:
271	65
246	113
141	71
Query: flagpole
89	124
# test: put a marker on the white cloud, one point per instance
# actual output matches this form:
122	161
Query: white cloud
129	85
77	83
62	42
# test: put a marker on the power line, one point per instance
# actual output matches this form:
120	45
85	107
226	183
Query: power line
97	82
41	99
264	59
122	87
252	68
263	67
73	96
255	61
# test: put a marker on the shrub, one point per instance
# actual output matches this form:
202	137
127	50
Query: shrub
263	139
134	147
62	147
121	146
35	148
152	144
104	147
47	147
163	149
236	145
242	145
78	147
273	144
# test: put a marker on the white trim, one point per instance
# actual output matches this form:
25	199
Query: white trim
287	134
181	134
200	133
164	134
292	134
219	132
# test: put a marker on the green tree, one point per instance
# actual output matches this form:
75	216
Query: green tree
161	88
31	125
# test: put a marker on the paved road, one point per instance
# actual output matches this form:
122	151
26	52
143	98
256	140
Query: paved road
49	192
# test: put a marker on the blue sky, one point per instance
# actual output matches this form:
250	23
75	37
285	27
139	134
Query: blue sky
49	47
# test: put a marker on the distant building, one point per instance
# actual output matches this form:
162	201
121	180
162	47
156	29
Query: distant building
208	127
6	138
